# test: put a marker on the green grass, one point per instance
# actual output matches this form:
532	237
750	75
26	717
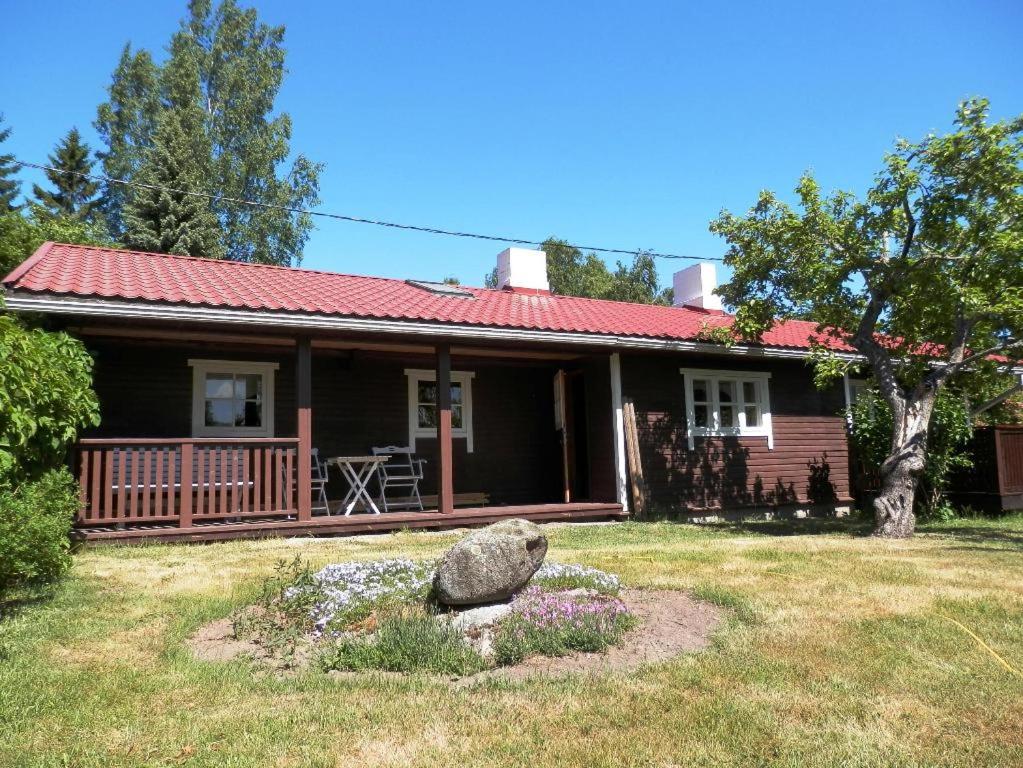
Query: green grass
841	651
409	641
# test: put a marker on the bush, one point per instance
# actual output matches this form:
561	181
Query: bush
406	641
45	398
35	523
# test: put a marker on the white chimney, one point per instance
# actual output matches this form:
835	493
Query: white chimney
694	287
522	269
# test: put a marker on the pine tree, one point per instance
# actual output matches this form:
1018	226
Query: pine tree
73	194
9	187
166	221
180	160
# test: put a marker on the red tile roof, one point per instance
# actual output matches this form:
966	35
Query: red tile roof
82	271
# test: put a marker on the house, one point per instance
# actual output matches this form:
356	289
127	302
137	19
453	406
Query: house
217	379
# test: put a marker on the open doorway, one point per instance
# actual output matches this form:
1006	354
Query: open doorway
571	423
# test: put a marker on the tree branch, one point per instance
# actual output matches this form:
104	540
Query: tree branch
957	365
998	400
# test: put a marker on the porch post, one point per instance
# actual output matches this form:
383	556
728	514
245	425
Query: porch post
304	422
618	430
445	481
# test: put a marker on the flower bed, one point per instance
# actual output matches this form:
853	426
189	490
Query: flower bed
554	623
381	615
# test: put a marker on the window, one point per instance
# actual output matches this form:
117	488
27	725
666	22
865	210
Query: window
854	390
720	403
422	403
232	399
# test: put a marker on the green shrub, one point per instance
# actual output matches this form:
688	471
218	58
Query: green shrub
408	641
35	523
45	398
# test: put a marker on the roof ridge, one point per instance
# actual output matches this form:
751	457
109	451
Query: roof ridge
36	257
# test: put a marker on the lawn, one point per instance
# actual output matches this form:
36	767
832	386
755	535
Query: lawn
841	650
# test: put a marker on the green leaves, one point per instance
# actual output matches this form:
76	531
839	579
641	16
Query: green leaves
931	257
923	275
573	273
217	88
45	398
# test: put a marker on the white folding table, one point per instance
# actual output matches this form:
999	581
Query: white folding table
358	471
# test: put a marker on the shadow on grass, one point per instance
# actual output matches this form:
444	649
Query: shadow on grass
21	598
974	536
810	526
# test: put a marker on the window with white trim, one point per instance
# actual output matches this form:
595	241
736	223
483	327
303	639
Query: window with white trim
727	403
422	405
232	398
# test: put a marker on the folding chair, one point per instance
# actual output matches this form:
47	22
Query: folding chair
319	483
403	471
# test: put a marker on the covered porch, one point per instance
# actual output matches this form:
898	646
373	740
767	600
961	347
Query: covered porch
503	432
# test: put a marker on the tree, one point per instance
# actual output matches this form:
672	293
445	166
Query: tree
21	235
9	187
168	212
126	124
923	276
73	193
240	70
570	272
165	217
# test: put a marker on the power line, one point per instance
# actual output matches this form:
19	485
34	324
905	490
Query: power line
354	219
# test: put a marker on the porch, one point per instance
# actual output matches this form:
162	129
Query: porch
529	432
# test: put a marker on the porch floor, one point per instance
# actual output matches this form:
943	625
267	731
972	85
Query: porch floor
338	525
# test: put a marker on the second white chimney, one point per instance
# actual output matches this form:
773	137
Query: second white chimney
694	287
522	269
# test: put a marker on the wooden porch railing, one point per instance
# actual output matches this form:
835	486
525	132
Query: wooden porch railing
134	481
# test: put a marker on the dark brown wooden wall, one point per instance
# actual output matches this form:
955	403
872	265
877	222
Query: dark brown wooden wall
809	462
358	402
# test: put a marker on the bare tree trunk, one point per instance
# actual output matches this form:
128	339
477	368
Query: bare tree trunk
901	470
893	507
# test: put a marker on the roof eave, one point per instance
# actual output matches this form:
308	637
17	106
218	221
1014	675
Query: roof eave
143	310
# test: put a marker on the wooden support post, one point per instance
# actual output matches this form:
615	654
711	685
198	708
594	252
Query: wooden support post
304	421
636	482
185	496
445	475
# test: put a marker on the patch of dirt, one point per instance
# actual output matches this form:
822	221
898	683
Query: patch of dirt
670	623
216	642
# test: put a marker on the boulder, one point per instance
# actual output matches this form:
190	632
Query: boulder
490	564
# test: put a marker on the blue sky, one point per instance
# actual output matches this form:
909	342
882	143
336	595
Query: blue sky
621	124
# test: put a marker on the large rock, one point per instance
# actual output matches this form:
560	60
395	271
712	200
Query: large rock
490	564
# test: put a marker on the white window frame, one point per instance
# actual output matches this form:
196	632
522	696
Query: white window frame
855	387
202	368
416	375
713	377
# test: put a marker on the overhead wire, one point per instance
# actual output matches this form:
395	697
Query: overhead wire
354	219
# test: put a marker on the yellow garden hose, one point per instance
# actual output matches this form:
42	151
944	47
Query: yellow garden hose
984	645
